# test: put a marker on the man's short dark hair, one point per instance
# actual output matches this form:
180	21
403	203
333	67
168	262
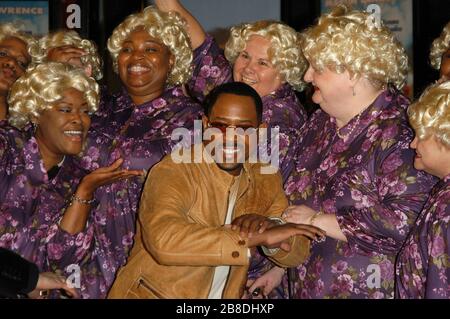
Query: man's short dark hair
236	88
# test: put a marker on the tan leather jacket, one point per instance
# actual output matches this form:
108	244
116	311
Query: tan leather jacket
180	237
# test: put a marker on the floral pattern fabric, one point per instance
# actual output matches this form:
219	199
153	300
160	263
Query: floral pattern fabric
31	204
365	176
423	265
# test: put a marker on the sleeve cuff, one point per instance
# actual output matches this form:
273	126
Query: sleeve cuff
299	252
273	251
234	252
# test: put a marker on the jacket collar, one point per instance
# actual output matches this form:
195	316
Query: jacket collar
226	178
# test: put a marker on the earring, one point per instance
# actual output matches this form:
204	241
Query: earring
353	90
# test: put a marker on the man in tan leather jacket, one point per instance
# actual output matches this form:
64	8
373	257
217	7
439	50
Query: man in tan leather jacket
184	246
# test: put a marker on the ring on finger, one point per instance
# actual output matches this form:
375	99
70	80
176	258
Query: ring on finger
43	294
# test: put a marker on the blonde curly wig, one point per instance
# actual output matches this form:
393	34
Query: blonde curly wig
431	113
10	30
439	47
40	87
169	28
40	49
285	52
349	40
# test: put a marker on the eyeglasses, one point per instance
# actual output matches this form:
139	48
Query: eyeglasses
223	127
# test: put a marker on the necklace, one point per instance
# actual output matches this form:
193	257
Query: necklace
62	161
355	124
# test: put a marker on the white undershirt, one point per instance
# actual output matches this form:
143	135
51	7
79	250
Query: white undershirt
221	272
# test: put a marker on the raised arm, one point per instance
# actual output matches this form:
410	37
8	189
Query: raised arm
195	29
210	67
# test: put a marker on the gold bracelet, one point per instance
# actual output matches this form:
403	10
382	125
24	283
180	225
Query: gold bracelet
75	198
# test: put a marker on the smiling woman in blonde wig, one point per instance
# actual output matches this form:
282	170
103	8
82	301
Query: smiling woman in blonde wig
354	176
152	56
422	267
50	109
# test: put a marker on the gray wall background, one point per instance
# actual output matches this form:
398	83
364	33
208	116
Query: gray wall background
217	16
225	13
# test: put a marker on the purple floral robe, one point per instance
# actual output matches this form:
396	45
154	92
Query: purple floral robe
141	136
369	183
423	264
31	205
